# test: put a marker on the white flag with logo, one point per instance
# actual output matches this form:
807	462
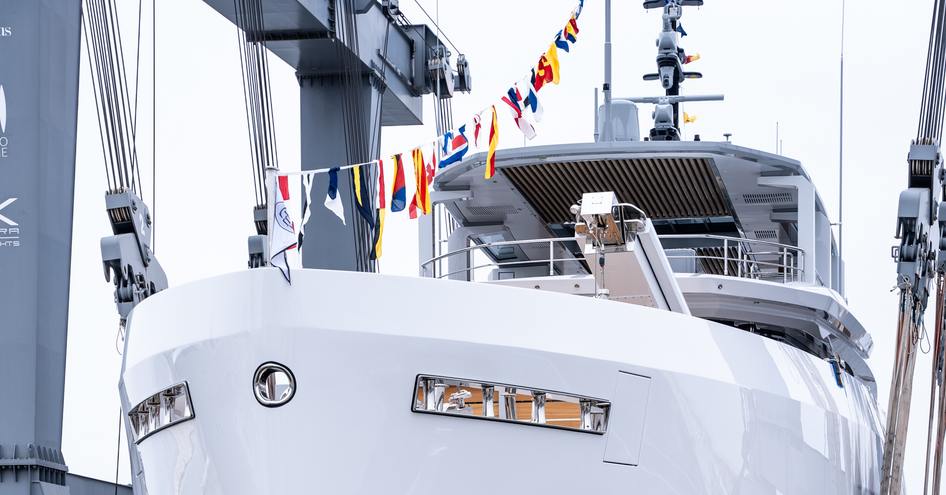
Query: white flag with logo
282	229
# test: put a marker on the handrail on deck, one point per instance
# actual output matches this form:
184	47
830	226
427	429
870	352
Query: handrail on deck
781	260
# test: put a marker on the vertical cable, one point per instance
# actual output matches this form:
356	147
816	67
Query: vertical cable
841	156
118	449
154	123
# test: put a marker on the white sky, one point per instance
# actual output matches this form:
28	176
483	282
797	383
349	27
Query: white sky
776	61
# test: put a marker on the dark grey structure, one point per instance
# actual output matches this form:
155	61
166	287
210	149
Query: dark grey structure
39	55
39	80
360	65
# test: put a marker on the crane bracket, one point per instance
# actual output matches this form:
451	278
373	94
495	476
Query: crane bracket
126	256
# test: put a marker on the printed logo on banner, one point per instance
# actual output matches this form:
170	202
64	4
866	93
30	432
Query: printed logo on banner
6	31
9	230
282	217
4	140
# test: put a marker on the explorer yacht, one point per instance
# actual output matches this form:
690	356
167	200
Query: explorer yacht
625	315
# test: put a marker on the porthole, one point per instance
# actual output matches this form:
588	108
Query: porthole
273	384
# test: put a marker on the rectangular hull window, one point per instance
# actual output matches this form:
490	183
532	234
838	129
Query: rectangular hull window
509	403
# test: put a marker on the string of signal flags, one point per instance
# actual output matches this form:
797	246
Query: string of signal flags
521	101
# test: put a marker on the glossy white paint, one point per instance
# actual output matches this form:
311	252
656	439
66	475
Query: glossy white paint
725	411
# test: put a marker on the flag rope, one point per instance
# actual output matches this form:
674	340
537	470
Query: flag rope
448	148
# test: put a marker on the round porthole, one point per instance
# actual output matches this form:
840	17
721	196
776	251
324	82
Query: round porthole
273	384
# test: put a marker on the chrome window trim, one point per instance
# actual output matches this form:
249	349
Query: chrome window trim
190	405
603	403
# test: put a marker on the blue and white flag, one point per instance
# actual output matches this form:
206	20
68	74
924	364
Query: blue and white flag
332	200
455	146
306	207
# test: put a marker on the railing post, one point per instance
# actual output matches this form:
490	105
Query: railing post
551	258
726	257
739	259
784	265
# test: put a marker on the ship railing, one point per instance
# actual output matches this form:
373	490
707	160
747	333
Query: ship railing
739	257
433	268
711	254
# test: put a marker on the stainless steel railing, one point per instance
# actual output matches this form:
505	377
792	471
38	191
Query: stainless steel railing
744	258
729	256
433	267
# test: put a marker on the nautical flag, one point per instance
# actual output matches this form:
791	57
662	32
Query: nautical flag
688	119
378	235
581	5
282	230
532	107
363	201
691	58
332	200
571	30
398	191
382	191
306	207
455	147
561	43
568	35
477	125
421	199
679	29
513	99
547	69
493	141
552	57
431	167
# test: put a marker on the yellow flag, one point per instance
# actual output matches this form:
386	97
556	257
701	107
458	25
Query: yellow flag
688	119
552	56
357	172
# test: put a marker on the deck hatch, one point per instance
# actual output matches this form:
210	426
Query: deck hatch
663	187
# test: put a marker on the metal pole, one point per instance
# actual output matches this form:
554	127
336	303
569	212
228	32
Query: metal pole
726	257
841	153
606	134
597	135
551	258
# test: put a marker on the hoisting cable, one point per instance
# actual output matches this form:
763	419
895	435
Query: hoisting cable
114	112
355	126
257	94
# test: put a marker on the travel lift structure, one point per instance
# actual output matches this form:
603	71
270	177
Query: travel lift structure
921	260
360	61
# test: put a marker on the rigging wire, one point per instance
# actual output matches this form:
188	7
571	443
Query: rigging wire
98	113
255	73
116	117
134	122
118	448
437	24
154	124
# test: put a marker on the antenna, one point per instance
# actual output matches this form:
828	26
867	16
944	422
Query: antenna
841	151
670	61
606	135
665	113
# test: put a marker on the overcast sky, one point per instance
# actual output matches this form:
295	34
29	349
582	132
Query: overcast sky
776	61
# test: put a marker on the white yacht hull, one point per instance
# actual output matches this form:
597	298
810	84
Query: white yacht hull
697	407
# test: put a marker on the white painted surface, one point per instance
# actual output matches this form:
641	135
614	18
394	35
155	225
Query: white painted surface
727	412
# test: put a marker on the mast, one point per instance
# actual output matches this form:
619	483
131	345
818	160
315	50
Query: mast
607	135
671	58
841	153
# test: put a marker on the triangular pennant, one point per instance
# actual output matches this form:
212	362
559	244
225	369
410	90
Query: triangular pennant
333	200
